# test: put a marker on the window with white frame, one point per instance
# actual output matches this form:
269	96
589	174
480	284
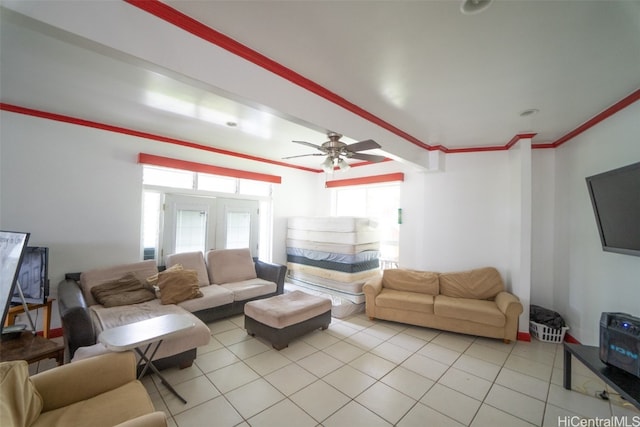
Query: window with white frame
159	181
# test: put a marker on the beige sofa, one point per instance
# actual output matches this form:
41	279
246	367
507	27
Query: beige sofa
471	302
101	392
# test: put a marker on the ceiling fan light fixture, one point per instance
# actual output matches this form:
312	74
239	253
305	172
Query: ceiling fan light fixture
471	7
342	163
327	165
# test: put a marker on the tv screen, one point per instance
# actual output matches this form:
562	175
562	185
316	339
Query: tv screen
615	196
33	276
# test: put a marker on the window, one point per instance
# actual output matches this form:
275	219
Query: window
189	228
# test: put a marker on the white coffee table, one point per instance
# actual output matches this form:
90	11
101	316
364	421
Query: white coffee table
137	335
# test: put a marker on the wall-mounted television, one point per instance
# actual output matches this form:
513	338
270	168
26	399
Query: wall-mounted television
33	276
615	197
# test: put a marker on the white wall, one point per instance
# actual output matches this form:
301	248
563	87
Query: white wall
587	280
78	191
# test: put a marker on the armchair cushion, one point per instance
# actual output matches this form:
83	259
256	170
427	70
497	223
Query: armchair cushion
230	265
178	286
21	403
123	291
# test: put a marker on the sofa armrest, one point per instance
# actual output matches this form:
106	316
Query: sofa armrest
272	272
77	326
84	379
509	304
154	419
373	286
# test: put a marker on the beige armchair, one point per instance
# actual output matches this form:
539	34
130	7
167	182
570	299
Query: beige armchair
99	391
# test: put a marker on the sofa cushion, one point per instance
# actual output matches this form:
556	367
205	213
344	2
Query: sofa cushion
178	285
212	296
252	288
403	300
425	282
481	283
191	261
123	291
474	310
97	276
230	265
107	409
21	403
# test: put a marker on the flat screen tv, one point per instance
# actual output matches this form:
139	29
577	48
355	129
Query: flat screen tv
33	276
615	197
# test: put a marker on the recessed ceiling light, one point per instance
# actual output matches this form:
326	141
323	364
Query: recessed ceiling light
529	112
471	7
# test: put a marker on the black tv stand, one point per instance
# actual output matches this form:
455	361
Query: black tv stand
624	383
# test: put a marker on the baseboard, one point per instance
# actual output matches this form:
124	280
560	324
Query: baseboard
53	333
524	336
571	340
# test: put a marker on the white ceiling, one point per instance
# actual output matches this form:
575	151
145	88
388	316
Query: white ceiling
442	77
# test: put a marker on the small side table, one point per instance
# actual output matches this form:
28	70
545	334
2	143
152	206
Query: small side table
149	333
46	318
31	348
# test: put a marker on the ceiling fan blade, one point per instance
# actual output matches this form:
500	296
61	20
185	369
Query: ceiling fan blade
368	157
303	155
317	147
367	144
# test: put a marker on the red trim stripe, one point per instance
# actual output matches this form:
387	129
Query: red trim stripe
198	29
570	339
167	162
139	134
375	179
623	103
524	336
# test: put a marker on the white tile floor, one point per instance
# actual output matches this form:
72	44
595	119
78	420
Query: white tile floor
364	373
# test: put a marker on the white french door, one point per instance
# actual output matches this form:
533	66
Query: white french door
193	223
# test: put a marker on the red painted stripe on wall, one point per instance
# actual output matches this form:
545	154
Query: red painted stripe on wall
524	336
375	179
167	162
139	134
198	29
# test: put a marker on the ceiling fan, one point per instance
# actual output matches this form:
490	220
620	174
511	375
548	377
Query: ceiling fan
337	151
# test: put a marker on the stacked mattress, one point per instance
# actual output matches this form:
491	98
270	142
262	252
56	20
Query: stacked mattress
333	256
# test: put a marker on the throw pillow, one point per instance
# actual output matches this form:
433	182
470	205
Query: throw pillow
21	403
177	286
152	281
124	291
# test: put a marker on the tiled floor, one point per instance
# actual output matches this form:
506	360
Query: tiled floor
364	373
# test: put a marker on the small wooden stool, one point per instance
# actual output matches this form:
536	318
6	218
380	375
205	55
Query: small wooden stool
282	318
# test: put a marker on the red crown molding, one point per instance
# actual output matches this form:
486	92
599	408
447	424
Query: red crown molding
139	134
198	29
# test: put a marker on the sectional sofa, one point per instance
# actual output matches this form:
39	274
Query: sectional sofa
206	289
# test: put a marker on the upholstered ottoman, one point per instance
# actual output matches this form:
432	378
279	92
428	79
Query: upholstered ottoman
285	317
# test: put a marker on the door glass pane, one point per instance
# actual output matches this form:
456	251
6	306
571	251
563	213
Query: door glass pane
191	230
238	230
150	224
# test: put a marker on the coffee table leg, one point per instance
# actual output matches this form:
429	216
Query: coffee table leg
149	364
